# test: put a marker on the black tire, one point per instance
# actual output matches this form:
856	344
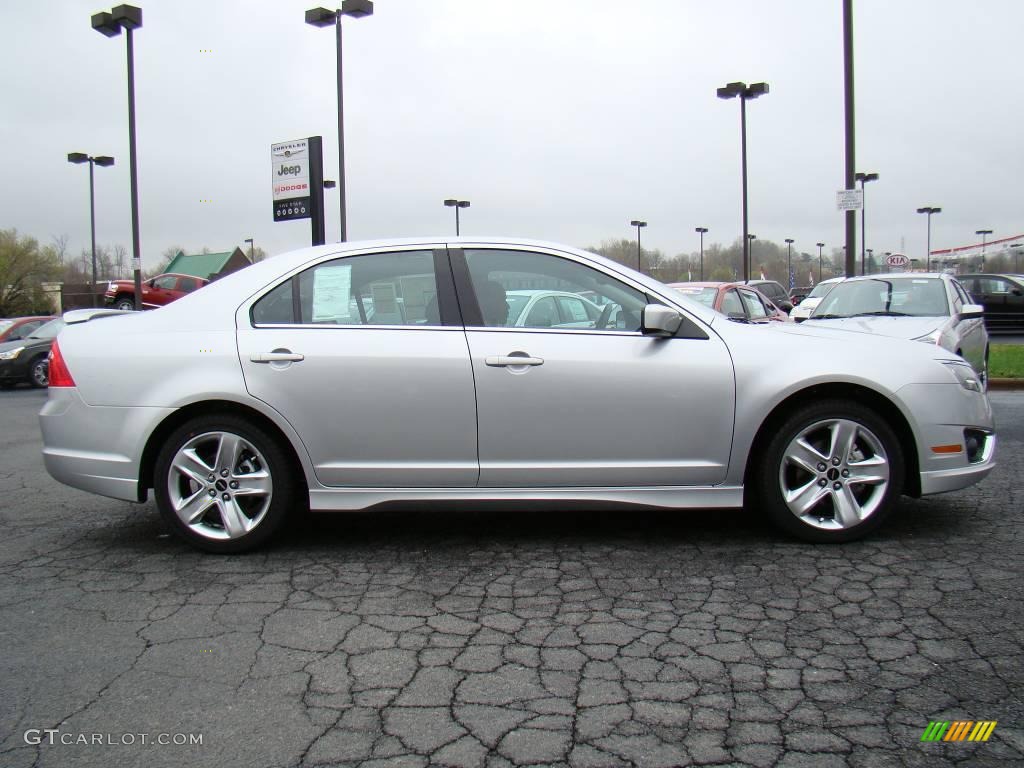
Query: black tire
5	385
124	302
39	372
874	445
266	455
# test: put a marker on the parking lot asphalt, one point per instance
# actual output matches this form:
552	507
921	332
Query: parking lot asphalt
507	638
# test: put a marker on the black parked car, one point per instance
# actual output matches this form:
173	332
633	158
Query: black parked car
25	359
1001	295
775	292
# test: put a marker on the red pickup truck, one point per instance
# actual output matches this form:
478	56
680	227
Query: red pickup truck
157	291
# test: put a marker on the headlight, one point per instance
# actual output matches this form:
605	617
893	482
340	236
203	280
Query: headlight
11	353
931	338
964	374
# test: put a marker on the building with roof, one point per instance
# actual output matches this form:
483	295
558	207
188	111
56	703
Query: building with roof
208	266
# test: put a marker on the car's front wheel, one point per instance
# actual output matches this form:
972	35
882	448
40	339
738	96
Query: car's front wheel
39	372
223	485
832	472
125	303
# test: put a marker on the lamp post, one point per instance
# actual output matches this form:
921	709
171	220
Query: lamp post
456	204
929	210
789	261
128	18
702	231
1016	253
322	17
638	224
744	92
750	251
820	246
252	250
871	258
103	161
863	178
984	234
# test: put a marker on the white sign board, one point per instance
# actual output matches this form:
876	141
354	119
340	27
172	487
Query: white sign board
897	260
289	163
849	199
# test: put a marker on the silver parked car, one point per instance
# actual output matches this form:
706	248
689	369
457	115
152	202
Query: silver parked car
275	388
929	307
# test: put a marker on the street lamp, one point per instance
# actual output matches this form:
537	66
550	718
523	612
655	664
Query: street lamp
789	261
322	17
750	251
252	250
745	93
638	224
820	246
929	210
702	231
128	18
102	161
456	204
984	234
871	258
1016	253
863	178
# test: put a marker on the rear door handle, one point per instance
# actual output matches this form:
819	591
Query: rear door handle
504	361
277	357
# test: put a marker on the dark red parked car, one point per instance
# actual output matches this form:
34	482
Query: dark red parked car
738	301
15	328
157	291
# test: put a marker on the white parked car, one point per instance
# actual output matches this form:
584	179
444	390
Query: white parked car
929	307
803	310
264	393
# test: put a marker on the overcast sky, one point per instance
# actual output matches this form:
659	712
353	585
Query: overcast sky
559	119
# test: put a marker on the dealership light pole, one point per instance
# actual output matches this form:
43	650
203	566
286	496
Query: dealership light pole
1016	254
820	246
929	210
322	17
789	261
638	224
984	234
103	161
702	231
745	93
252	250
863	178
128	18
451	202
871	258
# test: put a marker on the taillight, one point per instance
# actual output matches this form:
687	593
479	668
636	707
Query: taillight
60	376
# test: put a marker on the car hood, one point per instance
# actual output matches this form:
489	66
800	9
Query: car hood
26	343
897	327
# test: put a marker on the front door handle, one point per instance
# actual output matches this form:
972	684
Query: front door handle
504	361
277	357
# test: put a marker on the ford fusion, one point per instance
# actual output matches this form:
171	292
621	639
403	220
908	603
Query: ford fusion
358	375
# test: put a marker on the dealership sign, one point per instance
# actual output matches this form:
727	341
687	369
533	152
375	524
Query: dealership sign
897	260
850	199
290	163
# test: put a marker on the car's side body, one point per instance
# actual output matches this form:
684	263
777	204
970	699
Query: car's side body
439	407
156	292
1002	295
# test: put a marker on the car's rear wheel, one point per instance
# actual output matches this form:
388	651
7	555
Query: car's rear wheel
39	372
223	484
831	473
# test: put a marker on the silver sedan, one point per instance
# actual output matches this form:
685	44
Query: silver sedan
933	308
351	376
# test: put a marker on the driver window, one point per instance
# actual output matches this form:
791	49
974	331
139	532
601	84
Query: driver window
754	306
535	290
731	305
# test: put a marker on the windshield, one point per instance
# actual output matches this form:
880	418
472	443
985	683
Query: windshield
897	297
49	330
5	324
820	290
705	296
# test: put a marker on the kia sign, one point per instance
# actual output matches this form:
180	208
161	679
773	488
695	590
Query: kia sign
289	163
897	260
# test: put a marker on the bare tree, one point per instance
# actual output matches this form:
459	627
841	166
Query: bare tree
24	266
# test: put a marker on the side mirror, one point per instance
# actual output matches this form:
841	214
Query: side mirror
1017	292
659	320
971	311
786	306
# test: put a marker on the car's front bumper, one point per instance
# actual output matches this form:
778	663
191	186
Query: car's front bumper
96	448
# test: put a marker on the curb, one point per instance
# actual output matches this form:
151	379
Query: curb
1006	383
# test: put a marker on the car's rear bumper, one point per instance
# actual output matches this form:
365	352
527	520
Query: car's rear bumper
95	448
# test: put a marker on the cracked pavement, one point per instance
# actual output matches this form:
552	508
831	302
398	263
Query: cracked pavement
498	638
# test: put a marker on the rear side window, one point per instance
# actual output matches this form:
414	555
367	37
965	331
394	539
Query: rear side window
374	289
188	284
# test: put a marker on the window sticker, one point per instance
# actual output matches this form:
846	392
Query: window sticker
332	293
